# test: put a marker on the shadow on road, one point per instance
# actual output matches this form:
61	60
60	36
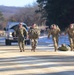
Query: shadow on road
35	63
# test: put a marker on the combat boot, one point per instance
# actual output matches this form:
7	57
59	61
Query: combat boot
34	48
55	49
31	49
20	50
71	49
23	50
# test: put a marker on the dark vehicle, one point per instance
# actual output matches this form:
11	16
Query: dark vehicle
9	33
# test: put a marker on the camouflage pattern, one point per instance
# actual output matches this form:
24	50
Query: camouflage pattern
70	32
33	38
34	43
63	48
20	32
54	32
33	33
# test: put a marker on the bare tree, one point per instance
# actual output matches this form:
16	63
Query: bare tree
28	15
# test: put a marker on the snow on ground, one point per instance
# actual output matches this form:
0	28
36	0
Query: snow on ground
44	40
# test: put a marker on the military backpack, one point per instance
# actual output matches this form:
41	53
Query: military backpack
33	34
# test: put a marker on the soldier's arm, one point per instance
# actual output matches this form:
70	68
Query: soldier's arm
38	31
26	32
58	29
25	29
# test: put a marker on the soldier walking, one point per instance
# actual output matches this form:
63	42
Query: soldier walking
54	31
34	35
70	32
20	32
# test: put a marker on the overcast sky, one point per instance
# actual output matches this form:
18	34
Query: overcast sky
18	3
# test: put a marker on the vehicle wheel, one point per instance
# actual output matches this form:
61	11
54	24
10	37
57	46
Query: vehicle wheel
7	42
27	42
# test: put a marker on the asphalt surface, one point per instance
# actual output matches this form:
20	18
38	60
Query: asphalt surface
42	62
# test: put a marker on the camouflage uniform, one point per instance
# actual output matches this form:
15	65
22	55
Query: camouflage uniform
20	32
54	33
70	32
33	38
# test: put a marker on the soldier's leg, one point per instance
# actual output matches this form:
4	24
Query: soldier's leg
19	43
55	43
71	43
32	44
35	43
23	45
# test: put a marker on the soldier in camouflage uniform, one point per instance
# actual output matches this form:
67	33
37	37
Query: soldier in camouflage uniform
33	37
54	31
20	32
70	32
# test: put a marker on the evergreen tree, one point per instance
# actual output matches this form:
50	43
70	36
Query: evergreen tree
60	12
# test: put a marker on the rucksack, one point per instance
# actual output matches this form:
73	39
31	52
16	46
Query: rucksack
33	34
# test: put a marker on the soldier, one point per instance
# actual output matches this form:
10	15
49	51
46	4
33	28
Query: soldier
20	32
54	31
70	32
34	35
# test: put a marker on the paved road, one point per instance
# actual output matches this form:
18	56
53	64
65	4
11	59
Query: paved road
42	62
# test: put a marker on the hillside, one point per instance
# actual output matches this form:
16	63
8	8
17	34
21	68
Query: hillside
9	11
